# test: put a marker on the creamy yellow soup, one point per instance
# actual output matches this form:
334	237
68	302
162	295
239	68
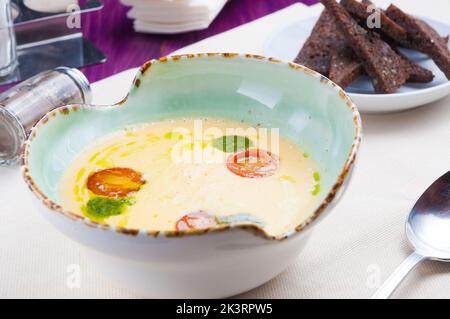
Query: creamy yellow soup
190	174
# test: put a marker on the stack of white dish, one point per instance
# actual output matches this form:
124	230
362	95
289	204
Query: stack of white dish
54	6
173	16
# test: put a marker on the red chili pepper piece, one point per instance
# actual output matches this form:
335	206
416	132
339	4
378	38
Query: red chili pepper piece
253	163
115	182
196	220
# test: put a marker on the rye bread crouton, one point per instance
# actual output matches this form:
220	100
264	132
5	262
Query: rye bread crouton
365	10
324	39
417	73
408	43
393	30
386	68
344	68
326	51
423	38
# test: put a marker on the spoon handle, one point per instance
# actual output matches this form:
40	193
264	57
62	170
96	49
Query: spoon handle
397	276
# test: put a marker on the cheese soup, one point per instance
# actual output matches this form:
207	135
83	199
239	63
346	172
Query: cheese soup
189	174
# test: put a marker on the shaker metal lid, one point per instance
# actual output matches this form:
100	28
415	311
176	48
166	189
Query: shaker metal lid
12	136
80	80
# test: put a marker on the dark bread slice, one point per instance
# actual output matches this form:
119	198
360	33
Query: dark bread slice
433	32
423	38
319	51
386	68
408	43
362	11
344	67
400	40
316	52
417	73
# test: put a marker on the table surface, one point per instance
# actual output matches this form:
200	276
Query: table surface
349	253
126	49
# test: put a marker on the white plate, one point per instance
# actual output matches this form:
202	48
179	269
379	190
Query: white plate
286	43
164	28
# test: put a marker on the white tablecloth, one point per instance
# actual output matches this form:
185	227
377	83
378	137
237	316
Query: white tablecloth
350	252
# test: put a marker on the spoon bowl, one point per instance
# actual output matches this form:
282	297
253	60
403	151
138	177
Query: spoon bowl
428	231
428	225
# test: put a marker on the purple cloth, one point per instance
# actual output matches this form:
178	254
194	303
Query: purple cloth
111	31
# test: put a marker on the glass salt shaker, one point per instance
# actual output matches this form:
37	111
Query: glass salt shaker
23	105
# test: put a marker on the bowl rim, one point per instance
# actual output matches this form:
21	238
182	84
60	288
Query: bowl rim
255	229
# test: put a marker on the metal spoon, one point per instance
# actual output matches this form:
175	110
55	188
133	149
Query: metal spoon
428	231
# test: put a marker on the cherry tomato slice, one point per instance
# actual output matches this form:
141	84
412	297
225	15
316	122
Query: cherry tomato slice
253	163
196	220
115	182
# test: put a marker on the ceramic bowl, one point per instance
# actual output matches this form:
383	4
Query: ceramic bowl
307	108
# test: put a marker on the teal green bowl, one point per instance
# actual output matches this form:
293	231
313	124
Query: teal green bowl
307	108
